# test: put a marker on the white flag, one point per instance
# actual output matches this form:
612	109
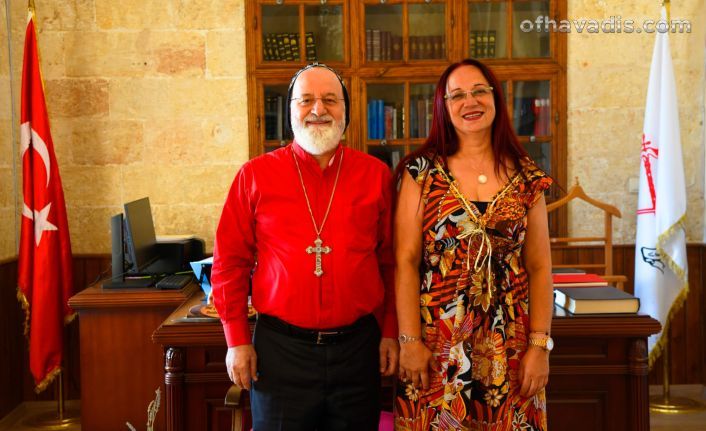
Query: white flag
660	244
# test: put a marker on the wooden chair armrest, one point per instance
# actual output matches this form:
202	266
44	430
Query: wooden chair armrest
618	280
234	401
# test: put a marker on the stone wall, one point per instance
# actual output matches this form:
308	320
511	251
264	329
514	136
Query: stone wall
149	99
607	89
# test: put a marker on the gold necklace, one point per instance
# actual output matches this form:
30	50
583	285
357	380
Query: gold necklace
318	247
482	178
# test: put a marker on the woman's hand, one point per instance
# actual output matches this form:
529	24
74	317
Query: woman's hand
534	371
416	361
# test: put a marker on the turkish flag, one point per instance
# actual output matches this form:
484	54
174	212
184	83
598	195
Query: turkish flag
45	263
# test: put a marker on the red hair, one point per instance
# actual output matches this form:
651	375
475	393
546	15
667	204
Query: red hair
443	140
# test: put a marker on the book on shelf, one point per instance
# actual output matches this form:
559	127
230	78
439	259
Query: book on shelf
578	280
596	300
310	46
368	45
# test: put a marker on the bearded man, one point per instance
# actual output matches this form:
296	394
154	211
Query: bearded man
311	224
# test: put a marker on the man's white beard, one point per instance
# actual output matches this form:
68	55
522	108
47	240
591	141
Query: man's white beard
317	140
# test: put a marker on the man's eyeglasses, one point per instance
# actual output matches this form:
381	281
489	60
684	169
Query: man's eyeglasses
308	101
476	92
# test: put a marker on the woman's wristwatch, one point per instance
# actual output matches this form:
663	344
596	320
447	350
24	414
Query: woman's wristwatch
541	340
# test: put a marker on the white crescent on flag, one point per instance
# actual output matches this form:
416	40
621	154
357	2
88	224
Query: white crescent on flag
27	136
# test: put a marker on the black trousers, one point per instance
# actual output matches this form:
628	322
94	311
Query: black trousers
305	386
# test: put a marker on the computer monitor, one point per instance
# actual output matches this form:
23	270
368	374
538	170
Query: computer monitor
140	237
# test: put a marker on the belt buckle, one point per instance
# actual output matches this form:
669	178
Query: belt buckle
321	334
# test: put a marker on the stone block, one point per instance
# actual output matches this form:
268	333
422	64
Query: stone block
90	227
204	97
169	185
200	220
8	233
210	141
7	186
65	15
135	53
51	54
77	97
92	186
208	14
225	53
105	142
135	15
141	99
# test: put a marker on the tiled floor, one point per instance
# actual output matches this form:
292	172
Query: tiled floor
658	421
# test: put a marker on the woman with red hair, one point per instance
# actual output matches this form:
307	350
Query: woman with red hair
473	285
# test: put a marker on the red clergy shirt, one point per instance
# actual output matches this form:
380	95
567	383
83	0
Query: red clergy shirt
266	228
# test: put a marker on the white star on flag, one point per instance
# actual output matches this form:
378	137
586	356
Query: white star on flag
40	221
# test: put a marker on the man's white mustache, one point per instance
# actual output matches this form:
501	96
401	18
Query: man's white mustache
313	117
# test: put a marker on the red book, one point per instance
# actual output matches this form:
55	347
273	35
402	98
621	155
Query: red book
579	280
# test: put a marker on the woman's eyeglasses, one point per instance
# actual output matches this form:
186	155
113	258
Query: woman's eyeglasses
476	92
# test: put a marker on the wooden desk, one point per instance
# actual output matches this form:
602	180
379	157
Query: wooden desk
120	366
598	376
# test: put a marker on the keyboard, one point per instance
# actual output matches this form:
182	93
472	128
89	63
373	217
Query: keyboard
174	281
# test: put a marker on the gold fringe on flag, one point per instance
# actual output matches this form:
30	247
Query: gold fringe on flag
681	297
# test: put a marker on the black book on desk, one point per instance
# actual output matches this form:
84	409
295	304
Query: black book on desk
596	300
138	259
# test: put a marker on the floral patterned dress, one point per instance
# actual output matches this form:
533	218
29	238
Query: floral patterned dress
474	307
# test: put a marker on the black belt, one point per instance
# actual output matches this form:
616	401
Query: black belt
316	336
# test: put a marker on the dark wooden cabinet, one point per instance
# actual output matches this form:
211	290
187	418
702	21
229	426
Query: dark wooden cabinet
120	367
598	377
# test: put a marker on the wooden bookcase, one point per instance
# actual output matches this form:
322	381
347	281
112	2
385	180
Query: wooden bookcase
391	54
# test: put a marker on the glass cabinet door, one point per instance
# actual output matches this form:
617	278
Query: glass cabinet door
323	33
427	31
532	118
320	39
383	32
275	126
487	32
280	33
508	29
530	44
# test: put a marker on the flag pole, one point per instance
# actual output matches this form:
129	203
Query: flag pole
665	403
61	419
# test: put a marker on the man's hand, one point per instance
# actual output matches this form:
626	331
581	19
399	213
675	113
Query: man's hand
241	364
389	356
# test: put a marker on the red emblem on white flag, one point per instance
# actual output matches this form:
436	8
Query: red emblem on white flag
45	262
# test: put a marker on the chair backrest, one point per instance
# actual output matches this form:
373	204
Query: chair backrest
577	192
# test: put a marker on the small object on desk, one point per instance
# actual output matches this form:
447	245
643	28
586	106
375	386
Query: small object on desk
596	300
203	310
174	281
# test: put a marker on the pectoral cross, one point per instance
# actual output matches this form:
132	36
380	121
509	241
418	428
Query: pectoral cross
318	250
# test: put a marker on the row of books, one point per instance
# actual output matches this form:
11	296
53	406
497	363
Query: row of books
481	44
285	46
382	45
387	121
533	116
581	293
